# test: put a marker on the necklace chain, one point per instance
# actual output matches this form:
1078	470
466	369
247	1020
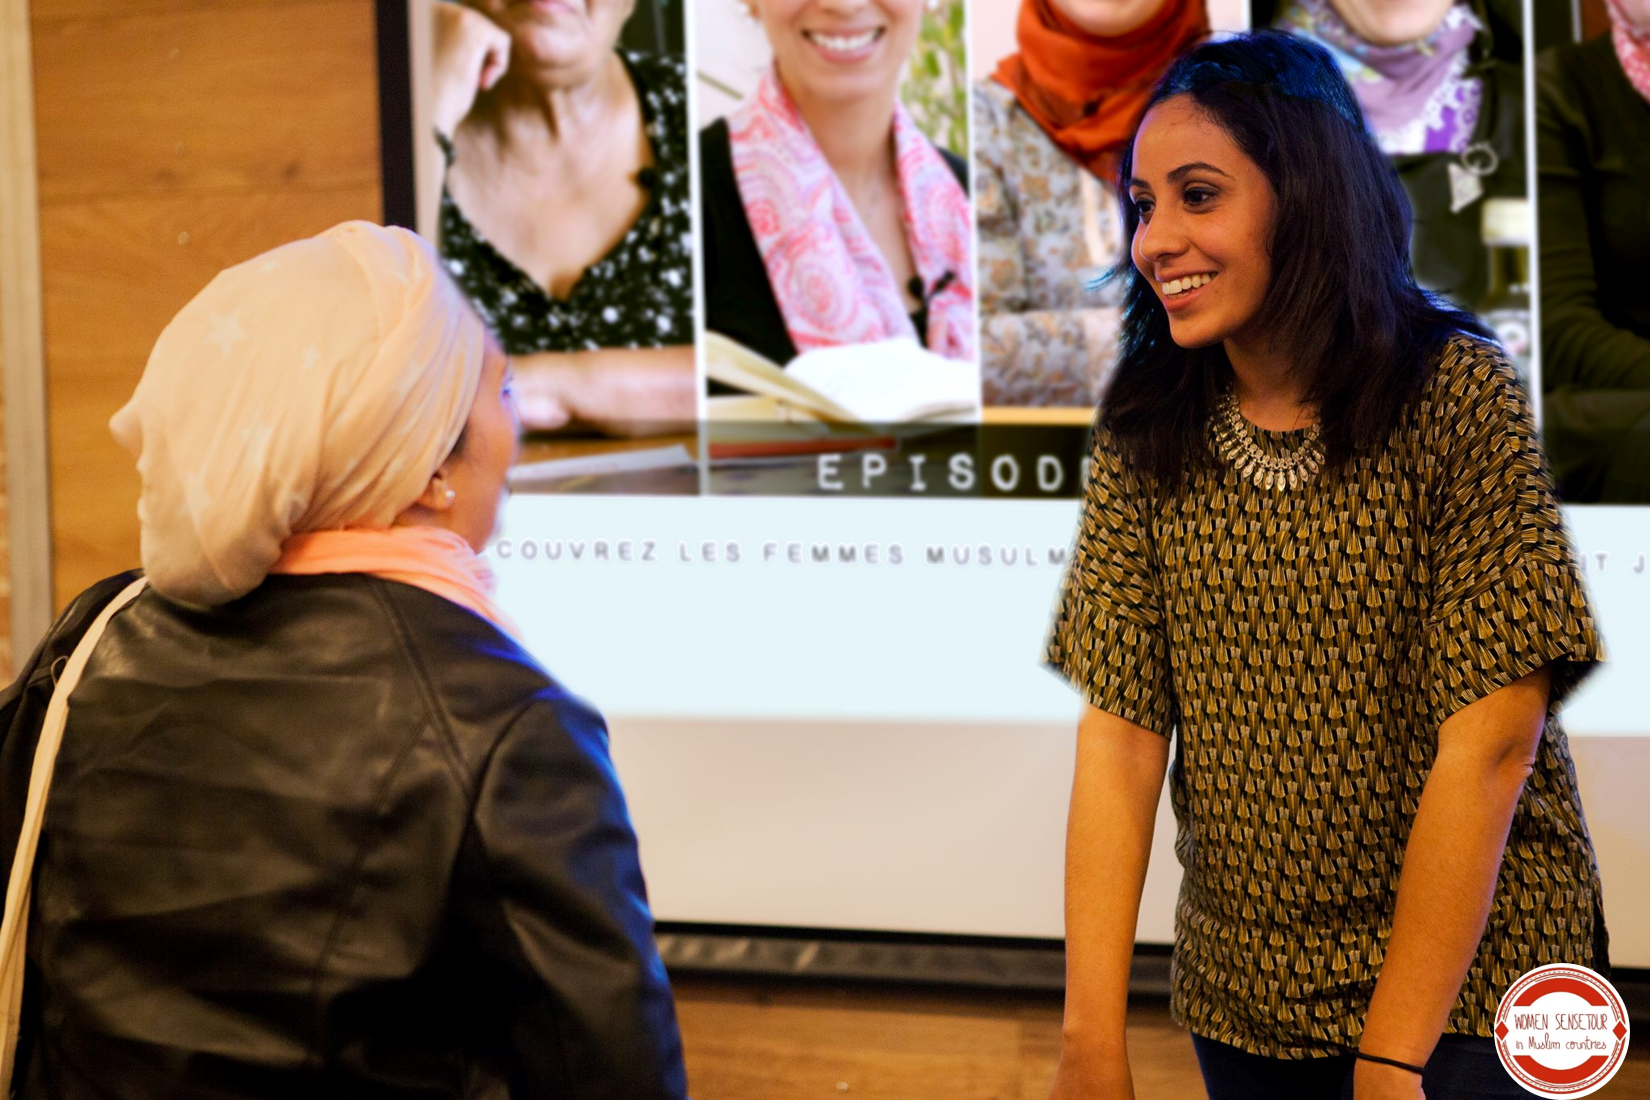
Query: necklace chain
1235	441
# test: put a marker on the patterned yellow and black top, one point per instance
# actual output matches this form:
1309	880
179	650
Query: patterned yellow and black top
1306	644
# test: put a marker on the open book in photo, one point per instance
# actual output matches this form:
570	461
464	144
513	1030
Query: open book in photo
888	382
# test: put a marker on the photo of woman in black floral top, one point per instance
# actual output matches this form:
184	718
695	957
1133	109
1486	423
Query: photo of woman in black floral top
564	210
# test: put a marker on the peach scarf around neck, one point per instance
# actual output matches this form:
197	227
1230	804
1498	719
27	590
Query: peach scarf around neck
431	558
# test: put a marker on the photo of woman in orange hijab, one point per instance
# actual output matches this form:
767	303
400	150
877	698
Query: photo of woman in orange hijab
1049	125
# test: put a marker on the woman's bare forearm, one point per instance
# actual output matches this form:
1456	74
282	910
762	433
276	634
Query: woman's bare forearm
619	391
1485	752
1114	796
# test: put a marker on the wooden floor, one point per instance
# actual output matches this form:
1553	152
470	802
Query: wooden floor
774	1041
762	1040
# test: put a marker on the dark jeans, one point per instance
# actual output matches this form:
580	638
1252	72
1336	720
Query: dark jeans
1461	1068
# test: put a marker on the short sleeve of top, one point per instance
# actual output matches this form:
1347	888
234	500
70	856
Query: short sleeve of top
1506	594
1108	639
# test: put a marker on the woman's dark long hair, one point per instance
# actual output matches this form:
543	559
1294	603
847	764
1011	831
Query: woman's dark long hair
1342	300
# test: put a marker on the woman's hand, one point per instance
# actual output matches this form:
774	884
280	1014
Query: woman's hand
626	392
471	54
1087	1076
544	392
1373	1081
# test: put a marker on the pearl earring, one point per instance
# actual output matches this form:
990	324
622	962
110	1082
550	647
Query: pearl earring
451	494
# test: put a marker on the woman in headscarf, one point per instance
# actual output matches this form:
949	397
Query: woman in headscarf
829	218
1441	84
320	826
1049	126
564	210
1593	152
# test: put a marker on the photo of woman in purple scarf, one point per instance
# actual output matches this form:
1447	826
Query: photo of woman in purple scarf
1441	84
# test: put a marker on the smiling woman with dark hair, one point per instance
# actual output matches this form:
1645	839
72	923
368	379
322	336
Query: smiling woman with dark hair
1321	549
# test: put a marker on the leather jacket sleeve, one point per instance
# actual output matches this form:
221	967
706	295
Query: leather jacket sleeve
561	919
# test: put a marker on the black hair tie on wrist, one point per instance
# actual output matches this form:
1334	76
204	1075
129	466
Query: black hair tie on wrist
1416	1070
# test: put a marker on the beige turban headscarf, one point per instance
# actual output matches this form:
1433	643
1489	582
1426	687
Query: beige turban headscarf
315	387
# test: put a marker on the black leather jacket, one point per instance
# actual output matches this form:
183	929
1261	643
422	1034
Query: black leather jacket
341	838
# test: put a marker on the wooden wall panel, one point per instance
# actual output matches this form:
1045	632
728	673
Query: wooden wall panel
175	138
61	9
6	656
271	95
118	274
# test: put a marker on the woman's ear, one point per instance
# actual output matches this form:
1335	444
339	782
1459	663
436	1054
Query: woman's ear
438	494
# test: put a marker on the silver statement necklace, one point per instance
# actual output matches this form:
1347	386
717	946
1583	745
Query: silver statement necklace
1236	443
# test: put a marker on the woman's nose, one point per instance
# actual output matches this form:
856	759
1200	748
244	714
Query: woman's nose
841	8
1159	238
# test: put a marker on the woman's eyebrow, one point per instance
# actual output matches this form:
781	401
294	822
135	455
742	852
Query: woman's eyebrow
1195	166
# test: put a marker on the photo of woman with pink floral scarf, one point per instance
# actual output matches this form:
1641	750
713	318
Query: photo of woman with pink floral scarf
829	218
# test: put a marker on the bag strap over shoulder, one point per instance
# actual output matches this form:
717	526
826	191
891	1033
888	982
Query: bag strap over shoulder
14	927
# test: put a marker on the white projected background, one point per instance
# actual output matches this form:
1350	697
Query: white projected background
874	746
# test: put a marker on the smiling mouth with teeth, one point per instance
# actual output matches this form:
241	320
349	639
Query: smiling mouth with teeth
1185	283
844	43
